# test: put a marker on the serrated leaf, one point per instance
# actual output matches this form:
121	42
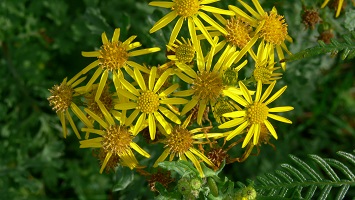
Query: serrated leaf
182	167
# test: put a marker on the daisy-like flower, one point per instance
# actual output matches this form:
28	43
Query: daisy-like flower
207	83
265	65
180	143
112	57
255	113
339	6
184	52
149	102
270	26
115	140
61	100
192	10
221	107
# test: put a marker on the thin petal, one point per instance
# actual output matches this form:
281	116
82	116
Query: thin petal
281	56
116	35
107	158
201	111
195	162
97	118
259	87
232	123
242	14
167	127
183	77
176	30
139	123
129	87
217	10
281	109
93	78
152	75
80	115
169	90
127	94
101	85
104	38
143	51
202	28
275	96
64	126
256	134
184	93
152	126
106	113
139	149
192	32
126	106
72	124
162	80
162	157
173	101
187	69
77	82
162	4
212	22
131	118
91	54
237	130
258	7
245	91
270	128
202	156
92	130
169	115
279	118
189	106
163	21
249	135
140	67
267	91
139	79
236	98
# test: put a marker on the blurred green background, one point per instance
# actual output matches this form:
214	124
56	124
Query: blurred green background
41	43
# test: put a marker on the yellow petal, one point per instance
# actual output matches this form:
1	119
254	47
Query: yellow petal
217	10
139	149
270	128
245	91
93	78
104	38
139	79
80	115
152	126
163	21
202	156
173	101
236	98
169	115
127	94
131	118
237	130
101	85
107	158
162	4
279	118
189	106
176	30
212	23
139	123
249	135
202	28
201	111
232	123
138	66
162	157
267	92
152	75
169	90
72	124
184	93
130	87
143	51
126	106
275	96
162	80
106	113
116	35
167	127
195	162
97	118
281	109
64	126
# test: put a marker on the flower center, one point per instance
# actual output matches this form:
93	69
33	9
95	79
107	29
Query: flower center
207	85
179	140
113	55
262	74
257	113
61	97
274	29
238	32
185	53
217	155
148	102
186	8
116	140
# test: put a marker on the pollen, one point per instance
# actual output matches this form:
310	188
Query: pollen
185	53
262	74
105	98
116	140
274	29
179	141
207	85
113	55
238	32
186	8
61	97
148	102
257	113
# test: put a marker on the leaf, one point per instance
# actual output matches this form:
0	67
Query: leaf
125	177
182	167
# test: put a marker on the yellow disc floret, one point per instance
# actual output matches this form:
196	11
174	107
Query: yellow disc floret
207	85
262	74
179	141
185	53
117	140
238	32
274	29
61	97
186	8
257	113
113	55
148	102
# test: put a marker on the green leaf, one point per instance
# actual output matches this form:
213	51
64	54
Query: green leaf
182	167
124	177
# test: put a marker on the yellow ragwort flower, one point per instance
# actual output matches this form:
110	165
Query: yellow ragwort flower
61	100
207	84
149	102
180	143
265	65
270	26
115	140
190	9
339	7
255	113
112	56
184	51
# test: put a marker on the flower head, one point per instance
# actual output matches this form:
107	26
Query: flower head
255	113
180	143
184	52
61	100
149	102
115	140
190	10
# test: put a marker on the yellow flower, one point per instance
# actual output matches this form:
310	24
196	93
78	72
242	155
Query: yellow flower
221	107
112	56
180	143
207	84
255	113
61	100
270	26
115	140
190	9
265	65
184	51
148	101
340	5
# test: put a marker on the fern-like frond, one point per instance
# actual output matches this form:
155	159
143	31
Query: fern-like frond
347	49
316	178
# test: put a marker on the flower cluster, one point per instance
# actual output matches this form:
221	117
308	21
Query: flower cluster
200	94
